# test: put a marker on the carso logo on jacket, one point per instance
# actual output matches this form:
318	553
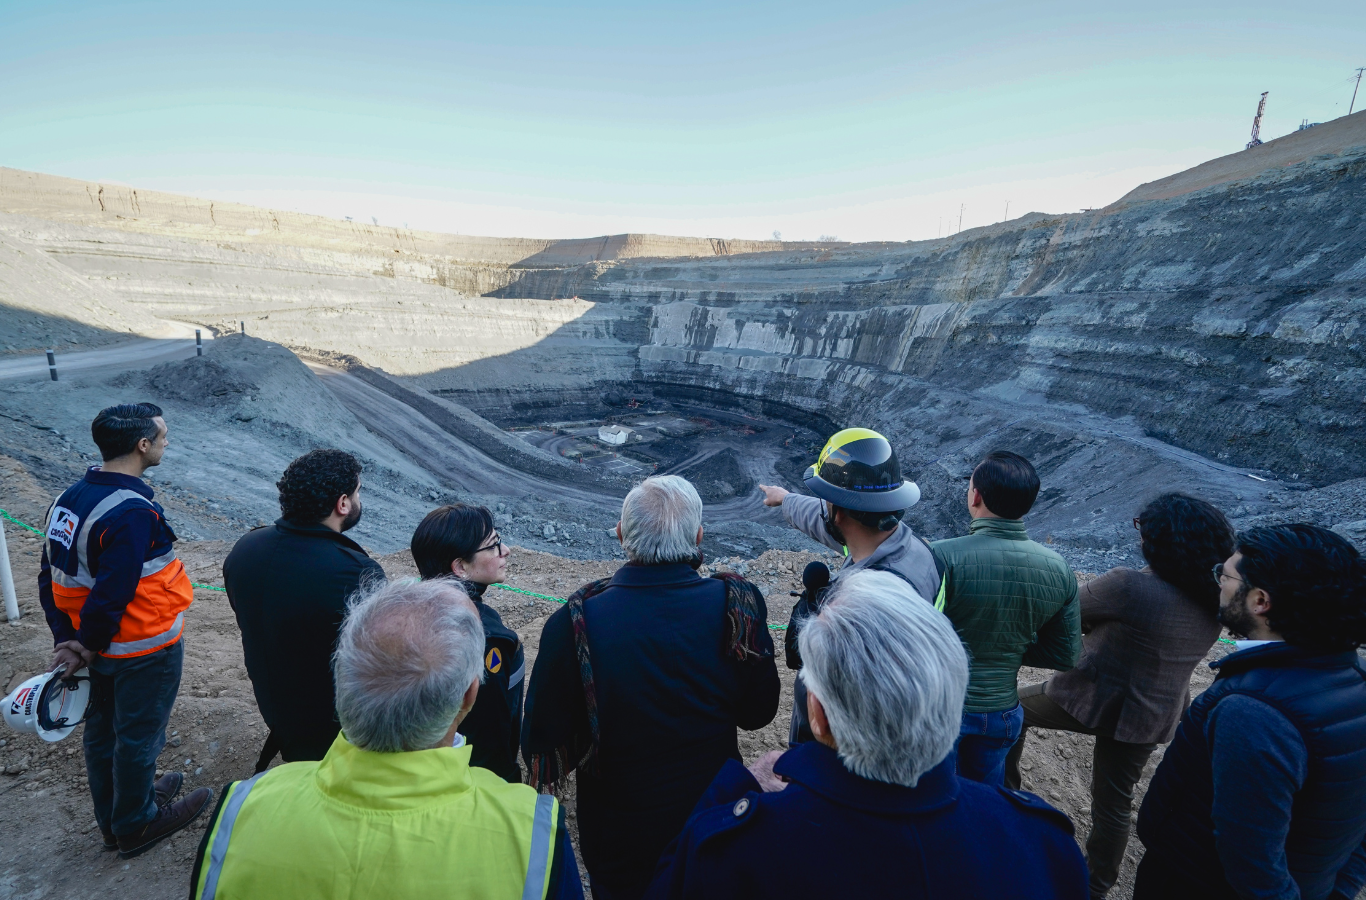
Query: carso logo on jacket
63	527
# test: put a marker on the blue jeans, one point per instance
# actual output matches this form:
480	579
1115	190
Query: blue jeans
125	731
984	740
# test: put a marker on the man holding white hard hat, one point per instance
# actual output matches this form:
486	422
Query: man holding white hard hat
115	594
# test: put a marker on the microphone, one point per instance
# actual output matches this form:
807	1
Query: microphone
815	578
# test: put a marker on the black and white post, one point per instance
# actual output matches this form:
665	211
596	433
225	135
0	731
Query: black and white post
198	343
52	365
243	326
7	580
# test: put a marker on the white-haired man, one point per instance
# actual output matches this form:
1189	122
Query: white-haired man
874	801
394	810
641	682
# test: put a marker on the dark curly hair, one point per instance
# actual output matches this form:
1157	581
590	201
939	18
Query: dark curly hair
1316	580
311	485
1183	539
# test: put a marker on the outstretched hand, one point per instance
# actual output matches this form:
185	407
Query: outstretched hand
773	496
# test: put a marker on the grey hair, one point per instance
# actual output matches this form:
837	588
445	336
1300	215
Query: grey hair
659	521
407	653
890	672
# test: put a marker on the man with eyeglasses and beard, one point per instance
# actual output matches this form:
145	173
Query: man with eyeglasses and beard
1262	792
288	584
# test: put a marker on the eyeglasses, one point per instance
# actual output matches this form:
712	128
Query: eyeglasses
1219	574
1137	527
496	546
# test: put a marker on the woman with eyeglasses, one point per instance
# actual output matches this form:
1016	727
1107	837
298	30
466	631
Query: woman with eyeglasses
459	541
1145	631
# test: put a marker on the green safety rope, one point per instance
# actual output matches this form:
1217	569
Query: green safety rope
20	524
499	585
508	587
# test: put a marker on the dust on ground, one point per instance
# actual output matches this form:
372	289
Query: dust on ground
216	733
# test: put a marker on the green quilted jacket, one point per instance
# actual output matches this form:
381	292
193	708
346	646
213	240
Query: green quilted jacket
1014	603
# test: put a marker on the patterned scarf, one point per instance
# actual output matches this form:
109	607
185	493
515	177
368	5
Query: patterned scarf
744	626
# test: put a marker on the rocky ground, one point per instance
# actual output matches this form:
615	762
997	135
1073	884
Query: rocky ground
216	733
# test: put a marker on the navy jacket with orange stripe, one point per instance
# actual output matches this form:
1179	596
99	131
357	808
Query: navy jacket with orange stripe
110	577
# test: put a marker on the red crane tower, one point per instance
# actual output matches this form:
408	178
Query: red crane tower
1257	123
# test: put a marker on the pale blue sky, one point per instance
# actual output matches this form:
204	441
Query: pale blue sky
868	121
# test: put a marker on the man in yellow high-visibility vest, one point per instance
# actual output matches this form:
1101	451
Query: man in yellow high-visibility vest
394	810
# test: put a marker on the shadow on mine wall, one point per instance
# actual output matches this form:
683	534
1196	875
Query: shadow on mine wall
1228	322
27	332
1089	477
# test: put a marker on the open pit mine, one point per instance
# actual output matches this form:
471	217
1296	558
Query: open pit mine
1205	332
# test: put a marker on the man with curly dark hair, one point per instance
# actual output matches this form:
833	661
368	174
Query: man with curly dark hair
1145	632
289	583
1262	793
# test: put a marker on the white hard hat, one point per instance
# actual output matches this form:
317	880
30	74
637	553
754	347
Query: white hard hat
47	706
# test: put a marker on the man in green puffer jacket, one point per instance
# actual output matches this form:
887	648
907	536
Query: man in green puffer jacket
1013	602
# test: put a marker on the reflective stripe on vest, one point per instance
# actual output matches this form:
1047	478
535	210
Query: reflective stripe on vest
153	566
83	578
154	602
223	834
539	861
516	677
133	648
943	589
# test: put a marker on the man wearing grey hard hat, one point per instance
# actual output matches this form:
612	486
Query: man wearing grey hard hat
860	498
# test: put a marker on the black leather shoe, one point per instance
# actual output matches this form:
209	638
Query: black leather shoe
170	819
167	786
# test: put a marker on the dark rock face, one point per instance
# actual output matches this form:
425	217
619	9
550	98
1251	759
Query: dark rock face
1230	322
202	380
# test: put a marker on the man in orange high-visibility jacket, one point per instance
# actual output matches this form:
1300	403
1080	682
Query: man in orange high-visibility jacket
115	597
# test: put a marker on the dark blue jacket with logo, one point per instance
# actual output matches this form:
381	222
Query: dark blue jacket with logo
831	833
109	576
1262	792
493	727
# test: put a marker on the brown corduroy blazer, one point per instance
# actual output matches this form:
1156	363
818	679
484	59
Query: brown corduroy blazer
1142	640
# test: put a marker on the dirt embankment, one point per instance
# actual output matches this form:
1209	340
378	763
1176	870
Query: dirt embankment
216	733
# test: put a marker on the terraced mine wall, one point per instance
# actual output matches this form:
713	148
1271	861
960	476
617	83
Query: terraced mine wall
1218	310
1228	321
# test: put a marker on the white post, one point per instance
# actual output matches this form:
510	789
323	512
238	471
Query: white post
7	580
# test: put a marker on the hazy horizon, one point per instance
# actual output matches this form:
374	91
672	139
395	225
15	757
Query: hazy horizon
708	120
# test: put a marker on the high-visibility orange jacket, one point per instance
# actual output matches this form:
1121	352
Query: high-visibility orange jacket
110	577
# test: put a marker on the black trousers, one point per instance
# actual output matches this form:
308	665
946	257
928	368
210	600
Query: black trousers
1115	769
296	747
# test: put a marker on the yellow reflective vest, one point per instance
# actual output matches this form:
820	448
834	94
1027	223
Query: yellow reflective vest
361	824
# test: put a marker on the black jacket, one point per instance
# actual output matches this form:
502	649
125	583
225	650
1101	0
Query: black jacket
669	701
288	585
493	728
